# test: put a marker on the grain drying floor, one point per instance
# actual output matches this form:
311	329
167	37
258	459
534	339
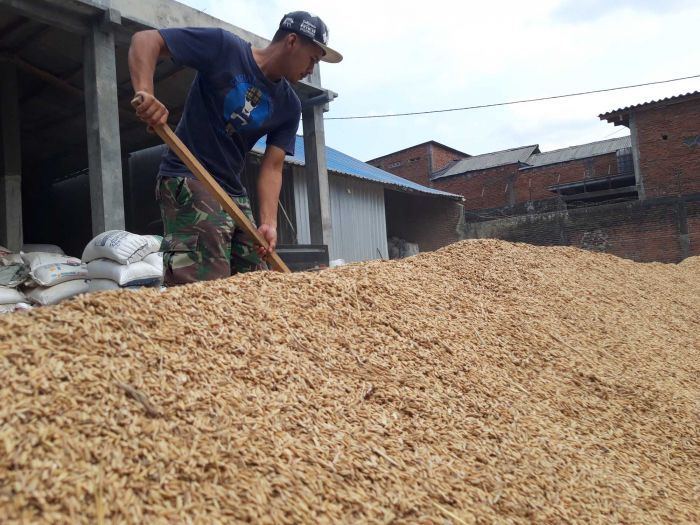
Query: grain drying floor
487	382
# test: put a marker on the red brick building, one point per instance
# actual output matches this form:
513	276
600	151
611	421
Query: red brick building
665	144
419	162
636	196
592	172
485	181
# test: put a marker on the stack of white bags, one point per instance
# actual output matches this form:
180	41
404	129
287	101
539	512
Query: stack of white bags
13	272
119	259
39	274
54	277
44	275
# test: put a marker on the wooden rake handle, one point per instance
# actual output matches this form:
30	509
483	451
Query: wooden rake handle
185	155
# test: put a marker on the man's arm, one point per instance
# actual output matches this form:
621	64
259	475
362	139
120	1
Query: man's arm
269	185
145	50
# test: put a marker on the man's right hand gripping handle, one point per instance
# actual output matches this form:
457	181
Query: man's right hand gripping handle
149	109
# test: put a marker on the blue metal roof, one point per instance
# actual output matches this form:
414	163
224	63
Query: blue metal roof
341	163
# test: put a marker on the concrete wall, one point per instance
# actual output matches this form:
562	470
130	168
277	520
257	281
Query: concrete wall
665	229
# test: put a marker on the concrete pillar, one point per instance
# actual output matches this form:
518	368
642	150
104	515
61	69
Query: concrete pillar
104	149
317	176
11	155
638	178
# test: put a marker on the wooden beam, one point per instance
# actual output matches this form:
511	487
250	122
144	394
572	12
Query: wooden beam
185	155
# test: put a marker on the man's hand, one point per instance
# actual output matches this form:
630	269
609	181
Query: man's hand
269	233
150	110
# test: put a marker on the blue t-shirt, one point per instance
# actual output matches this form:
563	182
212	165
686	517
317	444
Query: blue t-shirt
231	104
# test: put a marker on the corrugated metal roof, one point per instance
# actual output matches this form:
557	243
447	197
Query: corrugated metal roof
346	165
488	160
610	115
581	151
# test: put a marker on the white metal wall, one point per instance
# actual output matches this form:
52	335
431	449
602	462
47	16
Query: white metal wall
357	213
301	205
359	220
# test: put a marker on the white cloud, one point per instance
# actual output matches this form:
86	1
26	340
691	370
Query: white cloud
416	56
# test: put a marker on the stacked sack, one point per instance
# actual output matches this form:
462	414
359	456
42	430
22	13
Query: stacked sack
13	272
54	277
120	259
39	274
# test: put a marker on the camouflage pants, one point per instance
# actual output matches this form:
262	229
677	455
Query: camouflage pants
201	242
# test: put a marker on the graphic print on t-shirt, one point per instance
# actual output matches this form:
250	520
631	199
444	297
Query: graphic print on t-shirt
246	107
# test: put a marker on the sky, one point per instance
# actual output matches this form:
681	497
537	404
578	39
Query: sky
413	56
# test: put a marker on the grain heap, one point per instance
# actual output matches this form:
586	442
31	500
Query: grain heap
486	382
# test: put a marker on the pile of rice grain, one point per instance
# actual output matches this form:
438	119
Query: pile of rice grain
485	382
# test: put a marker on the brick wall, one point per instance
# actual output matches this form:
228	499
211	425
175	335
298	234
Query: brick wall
693	222
415	164
481	189
412	164
669	148
429	221
442	157
644	231
531	184
508	185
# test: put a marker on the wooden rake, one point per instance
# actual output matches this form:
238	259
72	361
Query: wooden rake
185	155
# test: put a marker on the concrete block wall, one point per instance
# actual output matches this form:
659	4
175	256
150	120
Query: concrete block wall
643	231
430	222
669	148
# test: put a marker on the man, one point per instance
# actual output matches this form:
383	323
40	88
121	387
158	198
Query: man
239	94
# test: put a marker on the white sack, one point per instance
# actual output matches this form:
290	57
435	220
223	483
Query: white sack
121	246
13	275
11	295
19	307
46	295
7	308
38	259
9	259
53	274
100	285
148	272
410	248
49	269
46	248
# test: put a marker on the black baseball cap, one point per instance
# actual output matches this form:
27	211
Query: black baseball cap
313	28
